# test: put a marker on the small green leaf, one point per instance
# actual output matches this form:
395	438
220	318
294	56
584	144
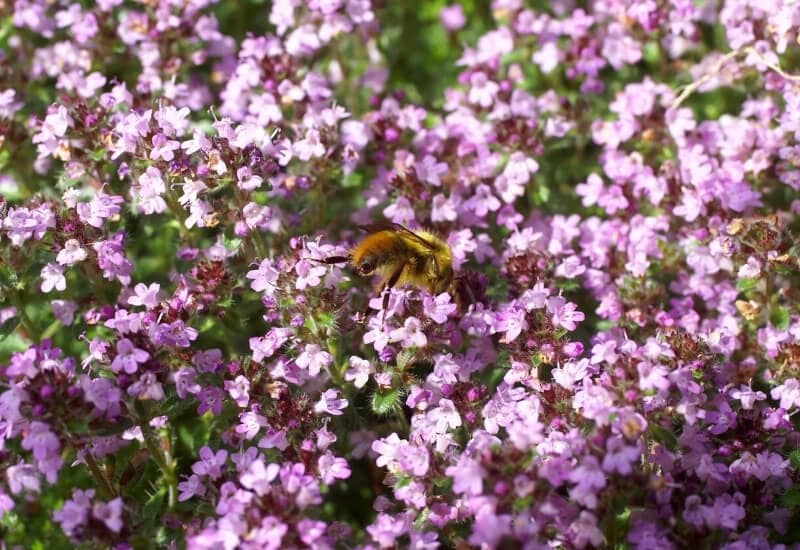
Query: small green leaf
791	498
384	402
353	179
794	459
8	327
521	504
663	436
97	155
744	285
8	277
542	194
231	243
651	52
115	429
325	320
154	506
779	317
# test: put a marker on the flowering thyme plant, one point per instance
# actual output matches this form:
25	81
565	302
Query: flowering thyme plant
618	364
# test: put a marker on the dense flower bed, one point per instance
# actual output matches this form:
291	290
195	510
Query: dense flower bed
618	185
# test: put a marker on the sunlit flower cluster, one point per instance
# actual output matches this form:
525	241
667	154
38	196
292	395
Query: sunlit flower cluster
616	365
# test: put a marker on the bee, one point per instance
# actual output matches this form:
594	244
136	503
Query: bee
401	257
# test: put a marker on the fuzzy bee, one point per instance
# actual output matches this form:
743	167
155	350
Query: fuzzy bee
401	257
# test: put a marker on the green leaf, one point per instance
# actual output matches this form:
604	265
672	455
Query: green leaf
11	344
744	285
154	505
521	504
384	402
98	154
353	179
115	429
231	243
663	436
779	317
791	498
651	52
187	437
8	327
541	194
794	459
8	277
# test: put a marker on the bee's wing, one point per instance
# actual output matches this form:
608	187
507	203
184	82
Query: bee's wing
390	226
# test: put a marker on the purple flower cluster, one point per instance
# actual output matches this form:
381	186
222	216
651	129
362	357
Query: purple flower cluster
617	364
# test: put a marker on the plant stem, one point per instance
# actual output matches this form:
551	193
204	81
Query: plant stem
161	458
26	322
99	476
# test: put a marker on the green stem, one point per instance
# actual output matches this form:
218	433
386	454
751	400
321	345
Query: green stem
258	244
161	459
314	326
51	329
94	277
26	322
99	476
401	418
179	213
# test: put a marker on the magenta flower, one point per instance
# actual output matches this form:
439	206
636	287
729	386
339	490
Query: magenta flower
452	17
313	359
64	311
571	373
308	274
53	278
163	148
144	295
430	169
23	477
72	253
565	314
40	440
250	423
267	345
148	191
589	479
146	387
210	464
329	403
259	476
102	394
74	513
584	531
191	487
239	390
788	393
109	513
332	468
129	357
482	90
385	530
467	476
185	383
210	399
101	207
410	334
22	224
359	371
438	308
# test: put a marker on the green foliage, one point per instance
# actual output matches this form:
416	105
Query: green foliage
386	401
